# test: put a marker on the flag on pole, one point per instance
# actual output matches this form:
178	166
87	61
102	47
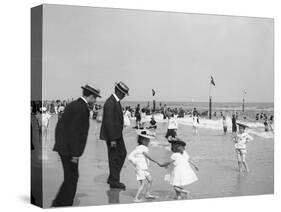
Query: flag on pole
212	81
153	92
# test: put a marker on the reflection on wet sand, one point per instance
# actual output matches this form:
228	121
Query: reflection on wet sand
113	196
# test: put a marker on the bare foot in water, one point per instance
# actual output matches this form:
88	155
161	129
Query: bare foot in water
138	200
150	196
177	198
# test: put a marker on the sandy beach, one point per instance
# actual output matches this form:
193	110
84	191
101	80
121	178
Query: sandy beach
212	151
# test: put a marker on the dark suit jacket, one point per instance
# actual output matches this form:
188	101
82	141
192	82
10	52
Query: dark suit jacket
112	120
72	129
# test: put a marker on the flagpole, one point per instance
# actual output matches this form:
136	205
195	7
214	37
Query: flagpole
153	101
210	102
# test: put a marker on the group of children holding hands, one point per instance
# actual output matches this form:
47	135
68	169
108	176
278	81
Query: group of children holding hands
180	163
181	175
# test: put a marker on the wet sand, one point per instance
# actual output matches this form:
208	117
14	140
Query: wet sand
212	151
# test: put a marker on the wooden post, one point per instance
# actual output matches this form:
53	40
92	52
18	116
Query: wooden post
210	101
243	106
243	102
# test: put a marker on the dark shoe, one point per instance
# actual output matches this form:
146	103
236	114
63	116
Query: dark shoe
122	184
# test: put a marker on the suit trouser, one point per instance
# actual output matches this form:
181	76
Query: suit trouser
116	159
68	188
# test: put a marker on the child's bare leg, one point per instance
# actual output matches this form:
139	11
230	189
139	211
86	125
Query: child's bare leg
148	190
142	184
239	162
149	184
245	163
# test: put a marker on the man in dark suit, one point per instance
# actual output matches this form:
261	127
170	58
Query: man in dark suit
111	132
70	140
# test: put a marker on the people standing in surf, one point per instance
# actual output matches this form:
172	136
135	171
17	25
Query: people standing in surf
267	126
140	159
195	124
234	125
224	124
236	115
164	111
241	139
257	116
143	119
43	119
127	117
172	129
194	112
153	123
271	119
60	110
172	126
182	173
138	116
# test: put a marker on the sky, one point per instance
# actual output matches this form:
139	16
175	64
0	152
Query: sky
173	53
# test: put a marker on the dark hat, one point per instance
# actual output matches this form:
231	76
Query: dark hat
92	89
121	86
179	142
243	125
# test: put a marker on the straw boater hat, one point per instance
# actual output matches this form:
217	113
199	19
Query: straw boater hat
243	125
146	134
92	89
121	86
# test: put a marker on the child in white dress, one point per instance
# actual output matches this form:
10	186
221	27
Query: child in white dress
127	117
140	159
241	139
182	173
195	124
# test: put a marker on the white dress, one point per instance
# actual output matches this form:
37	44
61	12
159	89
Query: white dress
182	173
195	122
127	117
140	162
172	123
143	118
242	140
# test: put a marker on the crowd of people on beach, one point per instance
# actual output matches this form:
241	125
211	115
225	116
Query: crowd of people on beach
72	131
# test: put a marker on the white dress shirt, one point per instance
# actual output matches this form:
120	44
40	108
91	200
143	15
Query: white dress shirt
84	99
116	97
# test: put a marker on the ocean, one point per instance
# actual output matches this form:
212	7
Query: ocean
266	107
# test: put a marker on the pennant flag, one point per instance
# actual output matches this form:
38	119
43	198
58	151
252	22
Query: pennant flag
153	92
212	81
